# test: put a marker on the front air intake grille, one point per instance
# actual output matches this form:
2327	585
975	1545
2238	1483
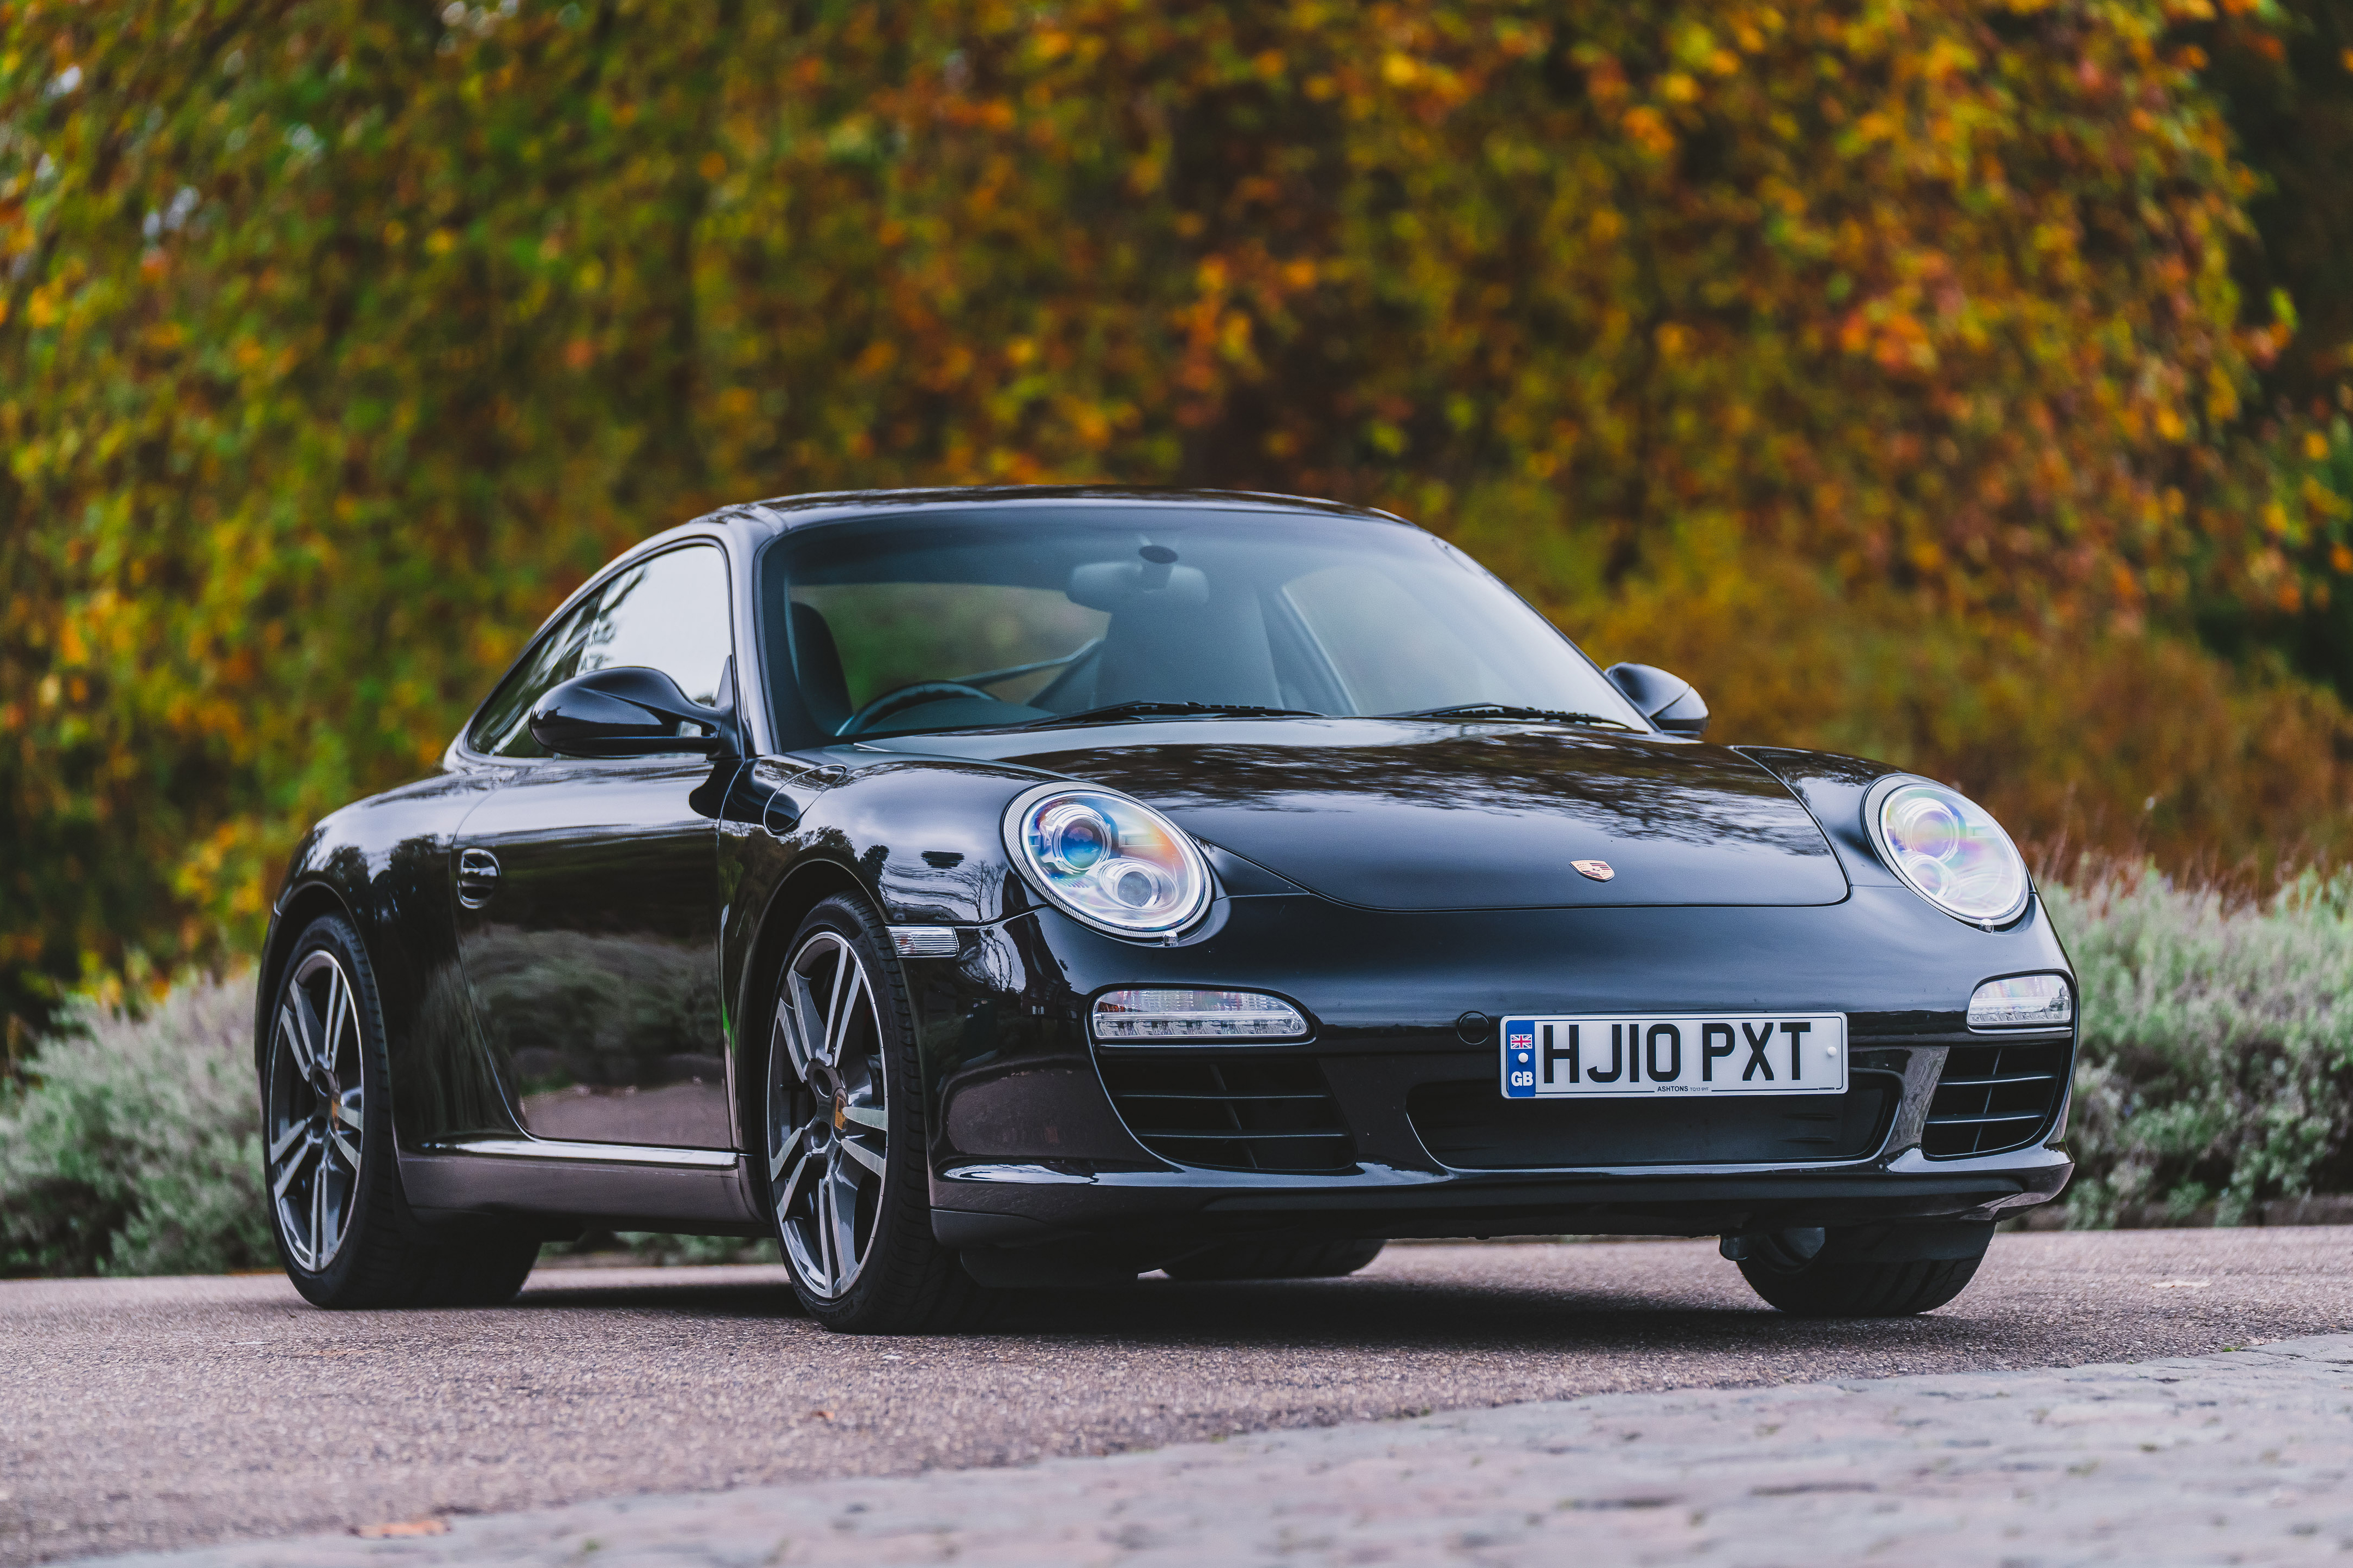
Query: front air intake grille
1995	1097
1469	1125
1229	1112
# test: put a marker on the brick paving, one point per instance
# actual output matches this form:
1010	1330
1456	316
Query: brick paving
2240	1457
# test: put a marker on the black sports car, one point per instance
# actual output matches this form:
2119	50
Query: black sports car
979	889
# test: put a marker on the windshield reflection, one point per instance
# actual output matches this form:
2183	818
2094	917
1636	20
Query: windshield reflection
995	616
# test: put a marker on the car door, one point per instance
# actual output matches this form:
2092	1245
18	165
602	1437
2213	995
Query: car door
589	890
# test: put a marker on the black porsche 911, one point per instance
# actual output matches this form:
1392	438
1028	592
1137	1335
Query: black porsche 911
994	889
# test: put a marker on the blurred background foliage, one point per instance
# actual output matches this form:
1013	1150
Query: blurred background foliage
1953	381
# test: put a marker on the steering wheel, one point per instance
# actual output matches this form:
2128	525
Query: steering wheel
914	695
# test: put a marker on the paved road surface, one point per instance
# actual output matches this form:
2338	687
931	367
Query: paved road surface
150	1414
2240	1457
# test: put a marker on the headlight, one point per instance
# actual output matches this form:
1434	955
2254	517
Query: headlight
1949	848
1115	863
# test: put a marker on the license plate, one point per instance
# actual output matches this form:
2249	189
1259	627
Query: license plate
1601	1055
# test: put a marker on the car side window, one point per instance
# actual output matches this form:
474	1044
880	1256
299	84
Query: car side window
504	728
669	611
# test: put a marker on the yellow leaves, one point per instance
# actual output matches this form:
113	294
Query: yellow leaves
1677	86
1671	337
441	241
2315	445
1399	69
1648	128
2170	424
2275	519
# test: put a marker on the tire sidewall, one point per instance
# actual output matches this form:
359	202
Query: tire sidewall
906	1181
374	1198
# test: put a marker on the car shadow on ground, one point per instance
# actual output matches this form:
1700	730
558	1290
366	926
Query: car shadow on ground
1403	1316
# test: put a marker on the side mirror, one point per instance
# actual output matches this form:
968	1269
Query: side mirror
1666	700
629	711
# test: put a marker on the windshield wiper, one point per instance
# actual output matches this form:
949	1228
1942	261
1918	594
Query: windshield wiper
1510	710
1168	711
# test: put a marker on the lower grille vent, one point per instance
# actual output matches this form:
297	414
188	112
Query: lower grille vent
1229	1111
1994	1098
1469	1125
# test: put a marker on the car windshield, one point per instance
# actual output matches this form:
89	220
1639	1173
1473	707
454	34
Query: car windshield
999	617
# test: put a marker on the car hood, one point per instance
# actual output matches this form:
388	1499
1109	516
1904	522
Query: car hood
1416	815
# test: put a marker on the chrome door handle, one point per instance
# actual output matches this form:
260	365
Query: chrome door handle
478	877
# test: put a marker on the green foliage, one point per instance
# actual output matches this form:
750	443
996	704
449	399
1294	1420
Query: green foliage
136	1145
338	340
2217	1062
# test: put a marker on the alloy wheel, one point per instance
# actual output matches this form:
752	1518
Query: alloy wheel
317	1110
828	1120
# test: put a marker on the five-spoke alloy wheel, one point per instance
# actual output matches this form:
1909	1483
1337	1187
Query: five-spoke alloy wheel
342	1224
316	1121
830	1120
846	1179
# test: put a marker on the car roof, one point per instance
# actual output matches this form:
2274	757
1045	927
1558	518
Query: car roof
782	513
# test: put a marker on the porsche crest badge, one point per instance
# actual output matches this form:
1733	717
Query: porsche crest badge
1600	870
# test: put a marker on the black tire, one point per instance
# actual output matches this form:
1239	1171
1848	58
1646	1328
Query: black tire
1829	1279
1276	1261
379	1256
896	1280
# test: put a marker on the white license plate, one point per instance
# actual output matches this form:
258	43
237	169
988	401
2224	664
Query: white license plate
1603	1054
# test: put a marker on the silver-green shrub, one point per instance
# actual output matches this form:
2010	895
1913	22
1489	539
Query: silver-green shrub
2217	1061
134	1146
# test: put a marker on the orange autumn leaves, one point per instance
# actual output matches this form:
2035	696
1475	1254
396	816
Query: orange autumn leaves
340	340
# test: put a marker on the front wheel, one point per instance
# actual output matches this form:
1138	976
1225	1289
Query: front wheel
845	1178
1849	1273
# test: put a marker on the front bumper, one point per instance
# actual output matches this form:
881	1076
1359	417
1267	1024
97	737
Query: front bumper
1030	1149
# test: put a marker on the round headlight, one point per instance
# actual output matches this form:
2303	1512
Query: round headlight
1949	849
1113	862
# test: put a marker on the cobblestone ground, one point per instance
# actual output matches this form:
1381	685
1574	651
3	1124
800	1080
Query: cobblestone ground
2239	1457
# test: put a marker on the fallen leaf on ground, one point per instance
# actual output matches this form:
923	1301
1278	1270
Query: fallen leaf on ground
401	1527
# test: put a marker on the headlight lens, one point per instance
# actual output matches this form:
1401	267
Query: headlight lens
2022	1002
1115	863
1950	850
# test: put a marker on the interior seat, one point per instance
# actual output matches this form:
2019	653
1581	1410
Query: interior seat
816	668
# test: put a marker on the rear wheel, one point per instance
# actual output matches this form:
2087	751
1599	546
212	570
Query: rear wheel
1276	1261
845	1178
1815	1273
343	1228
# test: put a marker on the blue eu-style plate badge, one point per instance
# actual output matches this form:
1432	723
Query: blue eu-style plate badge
1519	1058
